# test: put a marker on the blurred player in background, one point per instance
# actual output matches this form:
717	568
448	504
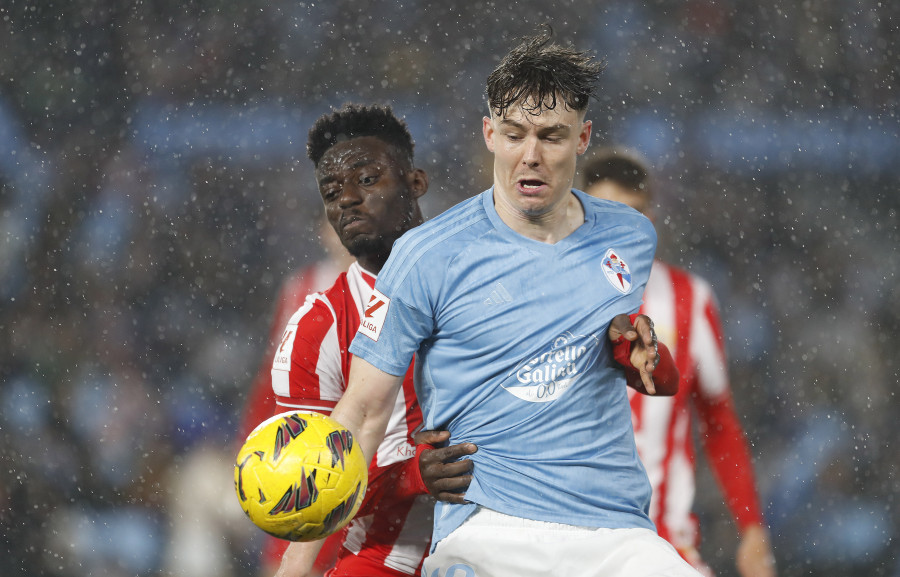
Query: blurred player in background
684	310
364	169
506	300
260	402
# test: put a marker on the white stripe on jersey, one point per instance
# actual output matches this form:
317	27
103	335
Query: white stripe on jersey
712	367
395	447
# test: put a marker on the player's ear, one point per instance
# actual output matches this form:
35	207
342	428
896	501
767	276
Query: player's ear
418	182
487	128
584	137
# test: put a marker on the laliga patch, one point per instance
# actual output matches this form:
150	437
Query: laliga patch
376	312
617	271
281	365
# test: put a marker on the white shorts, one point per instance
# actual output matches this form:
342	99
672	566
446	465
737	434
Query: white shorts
491	544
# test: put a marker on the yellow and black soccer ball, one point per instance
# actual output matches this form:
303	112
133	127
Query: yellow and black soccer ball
300	476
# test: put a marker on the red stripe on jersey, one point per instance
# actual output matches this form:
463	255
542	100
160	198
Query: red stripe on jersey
730	460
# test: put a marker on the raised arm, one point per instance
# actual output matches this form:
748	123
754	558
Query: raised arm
366	406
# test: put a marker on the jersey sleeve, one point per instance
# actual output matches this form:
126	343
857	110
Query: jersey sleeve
729	456
721	435
397	319
307	369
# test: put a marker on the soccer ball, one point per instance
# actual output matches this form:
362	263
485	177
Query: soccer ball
300	476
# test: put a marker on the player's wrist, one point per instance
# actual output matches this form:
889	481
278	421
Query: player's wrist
752	528
621	348
416	482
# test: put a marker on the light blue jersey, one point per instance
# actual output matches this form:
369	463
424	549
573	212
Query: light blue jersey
512	354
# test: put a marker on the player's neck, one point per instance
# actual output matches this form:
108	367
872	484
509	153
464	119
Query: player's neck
550	227
371	264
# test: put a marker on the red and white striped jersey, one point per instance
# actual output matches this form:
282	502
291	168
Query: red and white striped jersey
392	530
686	319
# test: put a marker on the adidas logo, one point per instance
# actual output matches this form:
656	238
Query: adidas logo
498	296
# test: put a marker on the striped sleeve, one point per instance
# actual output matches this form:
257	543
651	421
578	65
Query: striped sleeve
306	371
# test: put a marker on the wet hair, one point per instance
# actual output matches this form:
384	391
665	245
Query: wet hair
540	71
354	121
619	165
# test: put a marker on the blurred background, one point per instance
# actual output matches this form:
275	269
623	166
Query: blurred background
156	192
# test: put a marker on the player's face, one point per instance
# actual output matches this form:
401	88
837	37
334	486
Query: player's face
534	157
370	197
610	190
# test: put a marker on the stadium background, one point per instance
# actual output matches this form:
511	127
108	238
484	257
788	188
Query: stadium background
155	192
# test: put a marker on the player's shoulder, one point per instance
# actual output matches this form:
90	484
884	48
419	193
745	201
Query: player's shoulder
438	240
614	212
606	206
458	219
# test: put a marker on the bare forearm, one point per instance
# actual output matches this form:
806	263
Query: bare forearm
299	558
365	408
368	426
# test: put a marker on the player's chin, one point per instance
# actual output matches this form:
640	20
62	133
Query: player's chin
535	208
364	245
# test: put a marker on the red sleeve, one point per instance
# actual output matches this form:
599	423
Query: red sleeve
395	483
729	457
721	435
402	481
